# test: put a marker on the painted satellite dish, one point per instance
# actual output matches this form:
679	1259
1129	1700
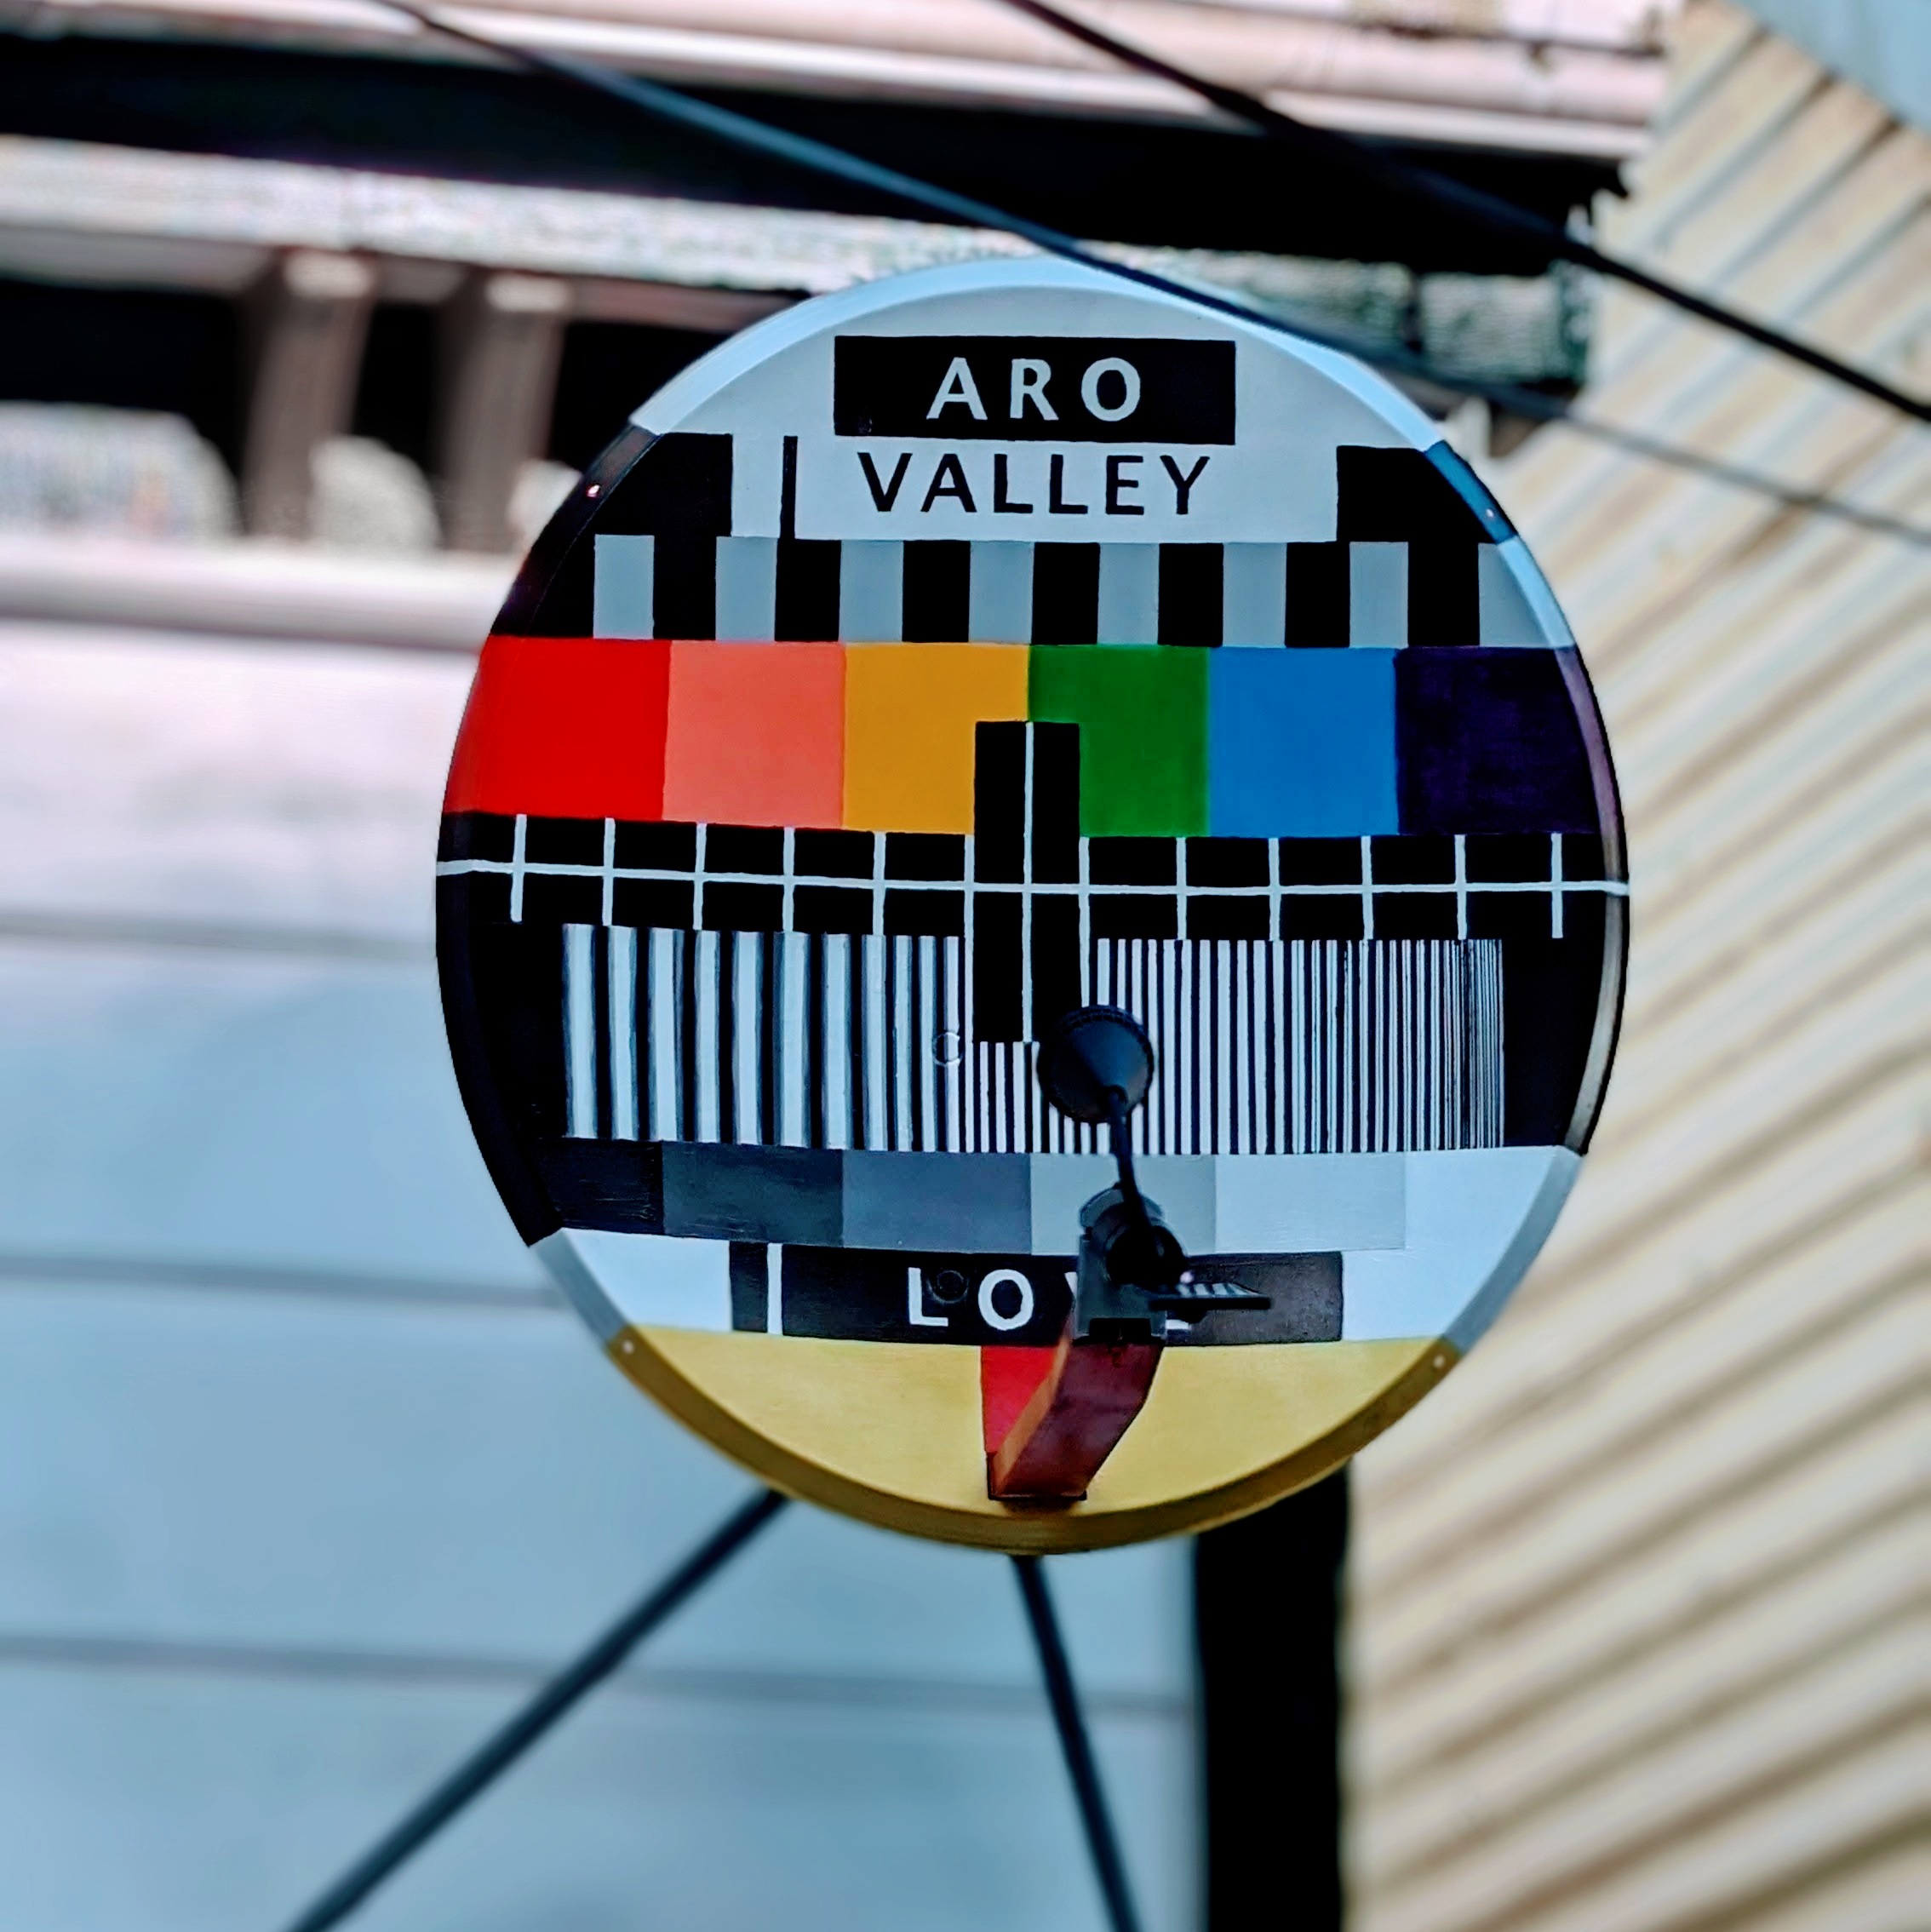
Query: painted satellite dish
949	654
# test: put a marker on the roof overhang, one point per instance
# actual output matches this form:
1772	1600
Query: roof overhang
81	212
1578	78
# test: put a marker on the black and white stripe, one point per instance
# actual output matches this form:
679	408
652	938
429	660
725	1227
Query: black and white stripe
758	589
1281	1047
768	1039
1417	557
1028	914
1314	1047
861	1041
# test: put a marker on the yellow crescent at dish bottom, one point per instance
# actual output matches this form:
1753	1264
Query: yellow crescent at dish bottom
889	1432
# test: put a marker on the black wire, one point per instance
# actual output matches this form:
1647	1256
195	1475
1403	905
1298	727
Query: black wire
799	151
497	1753
1636	444
1084	1770
1470	204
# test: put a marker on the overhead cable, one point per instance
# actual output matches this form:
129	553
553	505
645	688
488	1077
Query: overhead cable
800	150
1470	204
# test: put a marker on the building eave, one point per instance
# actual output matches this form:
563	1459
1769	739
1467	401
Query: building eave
1581	78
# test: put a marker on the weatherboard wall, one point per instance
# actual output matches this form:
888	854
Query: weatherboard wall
307	1476
1634	1643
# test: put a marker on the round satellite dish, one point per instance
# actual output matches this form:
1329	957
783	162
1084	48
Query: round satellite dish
936	660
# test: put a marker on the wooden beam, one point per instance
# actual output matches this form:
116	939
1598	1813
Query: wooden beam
308	317
502	337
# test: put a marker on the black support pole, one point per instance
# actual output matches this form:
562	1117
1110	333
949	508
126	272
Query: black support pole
1077	1746
556	1698
1270	1713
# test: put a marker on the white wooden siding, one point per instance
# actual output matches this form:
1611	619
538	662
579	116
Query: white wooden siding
308	1476
1637	1597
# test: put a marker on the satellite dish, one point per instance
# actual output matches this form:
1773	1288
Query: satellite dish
925	669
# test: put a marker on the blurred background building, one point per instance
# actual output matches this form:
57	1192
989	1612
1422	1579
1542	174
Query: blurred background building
307	1477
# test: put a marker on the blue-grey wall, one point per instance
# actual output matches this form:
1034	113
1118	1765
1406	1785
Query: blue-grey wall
305	1476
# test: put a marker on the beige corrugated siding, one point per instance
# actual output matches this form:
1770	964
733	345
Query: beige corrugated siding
1638	1640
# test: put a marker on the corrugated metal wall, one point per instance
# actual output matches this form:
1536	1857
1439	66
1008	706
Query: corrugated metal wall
1636	1643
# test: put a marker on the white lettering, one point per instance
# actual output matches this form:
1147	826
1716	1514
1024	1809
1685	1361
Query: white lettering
958	387
1129	389
1005	1277
1030	379
915	1303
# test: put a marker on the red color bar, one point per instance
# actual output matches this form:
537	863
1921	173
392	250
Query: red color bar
565	727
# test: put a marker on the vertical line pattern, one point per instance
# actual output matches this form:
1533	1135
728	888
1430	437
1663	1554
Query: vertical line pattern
1263	1046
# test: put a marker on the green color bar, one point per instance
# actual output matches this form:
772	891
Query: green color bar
1142	716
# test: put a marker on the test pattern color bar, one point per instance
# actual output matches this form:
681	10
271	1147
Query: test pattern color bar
883	738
